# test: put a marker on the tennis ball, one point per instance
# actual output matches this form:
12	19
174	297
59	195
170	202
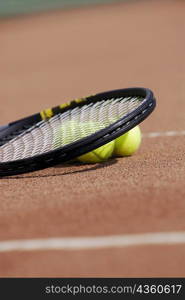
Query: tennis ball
98	155
128	143
73	130
65	134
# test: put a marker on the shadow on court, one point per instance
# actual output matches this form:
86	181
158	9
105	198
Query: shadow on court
67	165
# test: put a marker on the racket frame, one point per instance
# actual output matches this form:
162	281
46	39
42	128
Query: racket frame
84	145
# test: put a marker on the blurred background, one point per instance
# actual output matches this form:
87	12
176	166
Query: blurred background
17	7
77	47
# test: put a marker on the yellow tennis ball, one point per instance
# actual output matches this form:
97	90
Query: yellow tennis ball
128	143
98	155
64	134
72	130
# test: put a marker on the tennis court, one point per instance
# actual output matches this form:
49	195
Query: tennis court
122	218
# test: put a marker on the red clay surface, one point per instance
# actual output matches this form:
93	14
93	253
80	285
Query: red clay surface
137	262
48	59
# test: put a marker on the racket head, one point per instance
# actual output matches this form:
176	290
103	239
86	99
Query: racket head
82	145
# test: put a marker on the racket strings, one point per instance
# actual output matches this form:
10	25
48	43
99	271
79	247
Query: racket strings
14	134
68	127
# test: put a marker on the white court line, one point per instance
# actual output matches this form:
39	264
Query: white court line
165	133
84	243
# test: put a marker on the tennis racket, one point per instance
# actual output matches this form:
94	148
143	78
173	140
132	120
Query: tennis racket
64	132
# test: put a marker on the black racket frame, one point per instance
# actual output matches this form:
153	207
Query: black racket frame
84	145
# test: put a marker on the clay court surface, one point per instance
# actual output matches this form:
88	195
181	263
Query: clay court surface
122	218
